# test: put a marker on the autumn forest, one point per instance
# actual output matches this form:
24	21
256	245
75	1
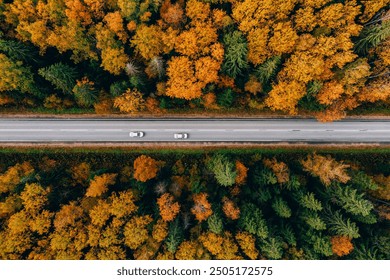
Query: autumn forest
222	204
320	57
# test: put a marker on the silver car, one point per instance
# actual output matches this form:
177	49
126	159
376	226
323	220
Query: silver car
136	134
180	135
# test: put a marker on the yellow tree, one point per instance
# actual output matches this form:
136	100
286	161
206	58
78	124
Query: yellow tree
202	207
341	245
230	209
280	169
11	178
145	168
247	244
168	208
160	230
130	102
99	184
135	231
326	168
147	41
285	96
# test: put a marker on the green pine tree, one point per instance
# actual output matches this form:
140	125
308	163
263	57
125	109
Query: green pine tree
175	236
252	221
313	220
272	248
236	51
266	71
310	202
340	225
351	201
281	208
62	76
215	224
223	169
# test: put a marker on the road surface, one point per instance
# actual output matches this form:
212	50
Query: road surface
202	130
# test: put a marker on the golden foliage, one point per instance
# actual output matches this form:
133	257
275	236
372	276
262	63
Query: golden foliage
242	173
13	175
285	96
67	216
123	204
160	230
99	184
80	172
135	231
283	39
114	22
34	197
202	208
186	251
230	209
222	247
247	244
253	85
172	14
167	207
280	169
341	245
209	100
100	213
145	168
257	45
326	168
182	82
130	102
147	41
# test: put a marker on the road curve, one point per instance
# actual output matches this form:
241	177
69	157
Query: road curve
199	130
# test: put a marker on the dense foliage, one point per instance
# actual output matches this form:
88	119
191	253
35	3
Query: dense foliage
216	205
324	57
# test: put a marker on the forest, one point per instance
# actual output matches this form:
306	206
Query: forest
217	204
318	57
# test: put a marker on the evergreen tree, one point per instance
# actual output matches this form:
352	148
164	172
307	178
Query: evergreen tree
313	220
252	221
226	98
263	177
236	51
281	208
175	236
118	88
223	169
288	234
272	248
215	224
310	202
62	76
363	182
351	201
18	51
268	70
372	35
340	225
321	245
85	93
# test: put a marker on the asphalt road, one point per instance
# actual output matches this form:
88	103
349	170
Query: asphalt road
224	130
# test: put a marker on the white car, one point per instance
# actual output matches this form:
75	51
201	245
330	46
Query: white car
136	134
180	135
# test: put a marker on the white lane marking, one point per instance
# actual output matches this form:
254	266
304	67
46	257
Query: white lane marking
109	130
73	130
24	130
212	130
246	130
